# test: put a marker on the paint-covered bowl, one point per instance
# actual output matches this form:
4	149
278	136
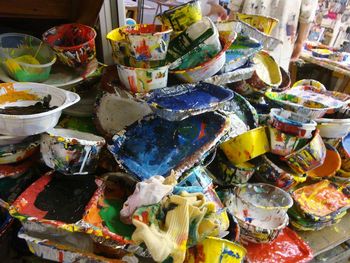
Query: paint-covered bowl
283	143
148	41
292	123
309	157
330	166
286	81
228	173
121	49
264	24
310	82
195	45
214	249
332	130
344	151
206	69
257	225
13	153
321	53
74	44
267	73
71	152
142	80
246	146
25	58
182	16
240	52
276	172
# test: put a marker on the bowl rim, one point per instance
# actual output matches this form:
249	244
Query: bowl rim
73	136
53	55
69	47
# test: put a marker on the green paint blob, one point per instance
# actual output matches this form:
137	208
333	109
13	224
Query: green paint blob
110	215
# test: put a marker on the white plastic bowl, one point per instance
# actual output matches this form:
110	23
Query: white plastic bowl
25	125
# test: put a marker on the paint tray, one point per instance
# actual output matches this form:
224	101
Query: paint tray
102	213
321	201
55	200
47	249
240	52
179	102
288	247
155	146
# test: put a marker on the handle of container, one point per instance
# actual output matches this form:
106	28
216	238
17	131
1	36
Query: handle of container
71	98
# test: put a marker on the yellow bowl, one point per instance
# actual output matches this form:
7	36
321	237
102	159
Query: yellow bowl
264	24
216	250
246	146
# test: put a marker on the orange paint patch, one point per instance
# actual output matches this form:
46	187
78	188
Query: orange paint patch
12	95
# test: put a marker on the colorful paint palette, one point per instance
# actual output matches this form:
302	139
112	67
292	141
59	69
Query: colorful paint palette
321	199
288	247
155	146
55	200
179	102
103	212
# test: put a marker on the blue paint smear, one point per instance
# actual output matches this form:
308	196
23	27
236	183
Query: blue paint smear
242	47
230	253
346	143
155	146
190	97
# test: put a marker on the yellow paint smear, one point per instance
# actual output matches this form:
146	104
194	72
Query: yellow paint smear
12	95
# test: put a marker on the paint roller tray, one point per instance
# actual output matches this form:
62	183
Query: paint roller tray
103	211
154	146
321	201
55	200
179	102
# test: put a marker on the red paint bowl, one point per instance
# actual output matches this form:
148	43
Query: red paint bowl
74	44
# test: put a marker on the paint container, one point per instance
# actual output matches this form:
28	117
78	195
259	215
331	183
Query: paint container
288	247
267	73
309	157
246	146
179	102
286	81
240	52
13	153
337	123
292	123
330	166
321	201
284	144
214	249
264	24
275	172
227	173
332	141
115	111
121	49
154	146
269	43
257	225
148	42
202	32
310	82
197	177
142	80
182	16
74	44
321	53
71	152
26	94
26	58
344	151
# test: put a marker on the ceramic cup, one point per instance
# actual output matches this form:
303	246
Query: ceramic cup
71	152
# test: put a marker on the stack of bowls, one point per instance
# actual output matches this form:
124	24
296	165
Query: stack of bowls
140	51
261	211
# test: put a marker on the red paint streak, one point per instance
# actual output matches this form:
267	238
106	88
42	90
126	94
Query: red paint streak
14	169
60	256
132	84
145	217
143	49
288	247
197	253
25	202
202	131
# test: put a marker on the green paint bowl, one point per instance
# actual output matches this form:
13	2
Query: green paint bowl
25	58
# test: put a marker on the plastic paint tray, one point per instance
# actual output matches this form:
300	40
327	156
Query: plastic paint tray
288	247
46	201
102	213
177	103
155	146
